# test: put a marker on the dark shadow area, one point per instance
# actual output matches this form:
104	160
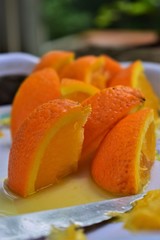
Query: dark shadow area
8	88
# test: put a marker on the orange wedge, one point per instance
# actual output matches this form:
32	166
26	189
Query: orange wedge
38	88
112	67
124	159
89	69
108	107
77	90
134	76
40	155
56	60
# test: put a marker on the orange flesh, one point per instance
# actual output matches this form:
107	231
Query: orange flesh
89	69
79	68
152	100
77	96
77	90
147	155
61	64
65	137
145	167
99	78
97	75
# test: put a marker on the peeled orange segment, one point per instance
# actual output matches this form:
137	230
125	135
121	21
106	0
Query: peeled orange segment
124	159
108	107
37	88
89	69
134	76
77	90
47	146
56	60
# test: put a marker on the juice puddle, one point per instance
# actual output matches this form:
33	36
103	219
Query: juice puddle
74	190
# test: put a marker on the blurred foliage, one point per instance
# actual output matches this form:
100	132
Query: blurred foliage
64	17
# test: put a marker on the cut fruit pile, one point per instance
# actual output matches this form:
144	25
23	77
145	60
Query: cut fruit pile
71	114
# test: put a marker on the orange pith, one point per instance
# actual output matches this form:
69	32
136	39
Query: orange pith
56	60
108	107
123	161
77	90
134	76
39	155
89	69
37	88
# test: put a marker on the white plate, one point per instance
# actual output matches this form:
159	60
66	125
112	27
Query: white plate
112	231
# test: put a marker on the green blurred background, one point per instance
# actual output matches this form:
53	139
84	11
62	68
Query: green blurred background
63	17
36	26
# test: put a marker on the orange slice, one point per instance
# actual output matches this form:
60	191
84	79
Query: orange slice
134	76
108	107
89	69
124	159
40	155
77	90
38	88
55	59
112	67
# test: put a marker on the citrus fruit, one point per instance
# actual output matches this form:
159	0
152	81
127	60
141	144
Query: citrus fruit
89	69
77	90
124	159
40	155
112	67
37	88
134	76
55	59
108	107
